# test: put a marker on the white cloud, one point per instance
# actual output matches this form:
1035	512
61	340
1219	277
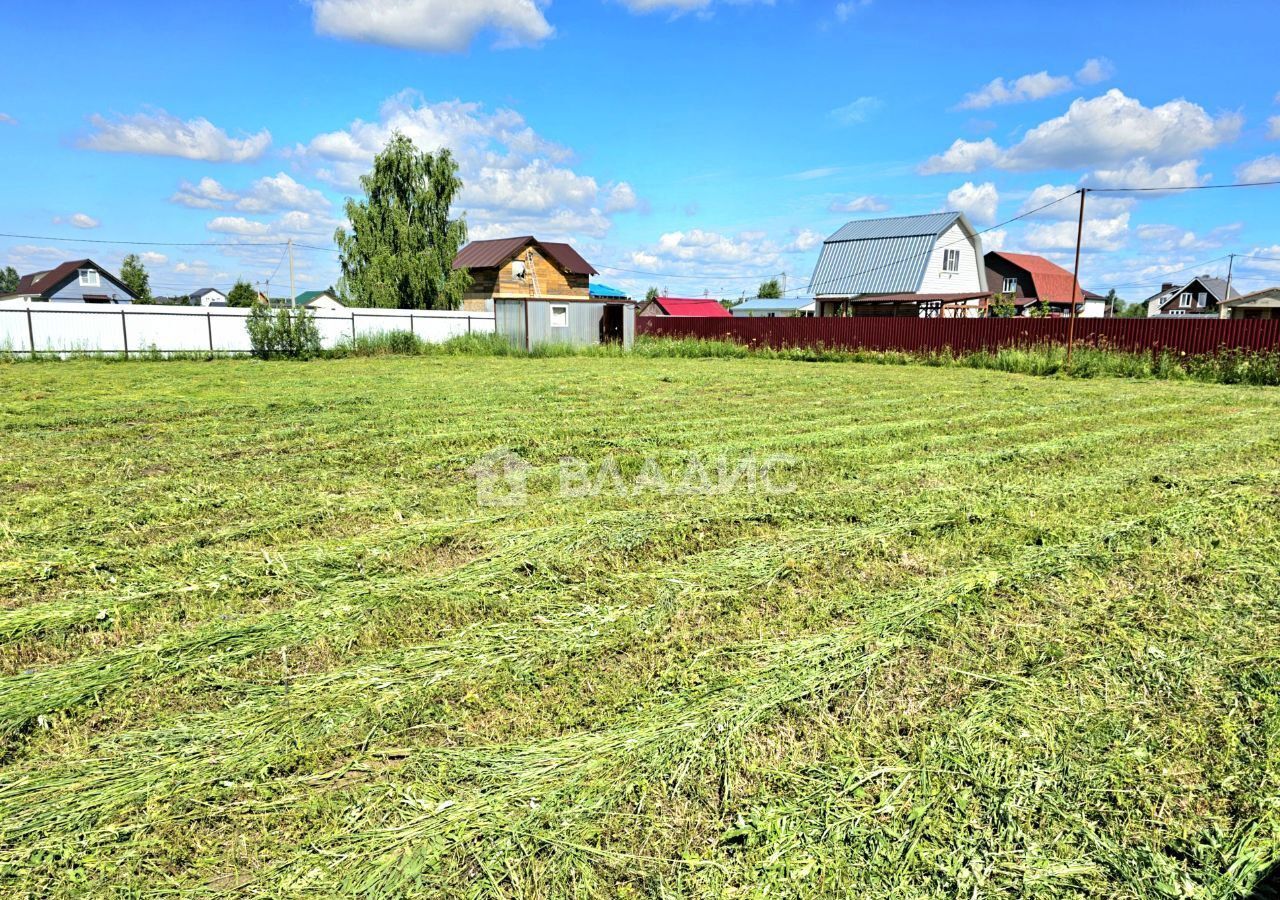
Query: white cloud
622	198
850	8
153	259
77	220
439	26
1068	210
6	119
1095	70
963	156
711	254
1109	131
1115	130
979	202
1171	238
804	241
1100	233
814	174
238	225
1265	169
857	112
513	178
1273	128
866	203
161	134
998	92
995	240
273	193
1140	174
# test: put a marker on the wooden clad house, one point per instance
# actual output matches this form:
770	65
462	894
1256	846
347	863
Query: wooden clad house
1201	296
1030	281
540	293
77	281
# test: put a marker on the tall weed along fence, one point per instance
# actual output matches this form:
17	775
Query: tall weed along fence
31	328
931	336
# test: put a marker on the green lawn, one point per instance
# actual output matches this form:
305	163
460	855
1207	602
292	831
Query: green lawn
1009	636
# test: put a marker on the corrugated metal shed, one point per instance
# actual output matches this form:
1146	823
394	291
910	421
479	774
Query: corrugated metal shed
878	256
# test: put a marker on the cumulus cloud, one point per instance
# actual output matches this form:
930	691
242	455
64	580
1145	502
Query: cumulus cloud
273	193
1095	70
1108	132
77	220
857	112
1100	234
153	259
238	225
963	156
513	177
979	202
1171	238
1265	169
440	26
1068	210
804	240
161	134
995	240
999	92
1141	174
711	254
863	204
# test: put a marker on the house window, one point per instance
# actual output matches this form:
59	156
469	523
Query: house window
559	317
89	278
1202	301
951	260
1011	285
1185	301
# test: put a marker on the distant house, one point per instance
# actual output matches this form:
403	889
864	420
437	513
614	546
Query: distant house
1199	297
1030	281
1263	304
678	306
928	265
540	293
767	308
318	300
77	281
207	297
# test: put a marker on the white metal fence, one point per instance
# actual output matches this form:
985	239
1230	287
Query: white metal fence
91	328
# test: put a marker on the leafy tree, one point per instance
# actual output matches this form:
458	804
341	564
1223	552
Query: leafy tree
242	294
1002	307
400	250
134	276
8	280
651	294
770	290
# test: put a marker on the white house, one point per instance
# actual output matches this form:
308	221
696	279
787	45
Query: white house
208	297
77	281
929	265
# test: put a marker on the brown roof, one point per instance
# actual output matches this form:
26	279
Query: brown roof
1051	282
46	283
496	253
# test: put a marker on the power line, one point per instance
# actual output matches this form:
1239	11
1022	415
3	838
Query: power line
1178	190
67	240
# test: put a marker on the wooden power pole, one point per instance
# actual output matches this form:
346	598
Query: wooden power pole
293	295
1075	281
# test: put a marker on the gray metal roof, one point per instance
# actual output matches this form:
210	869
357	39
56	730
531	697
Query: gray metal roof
757	304
878	256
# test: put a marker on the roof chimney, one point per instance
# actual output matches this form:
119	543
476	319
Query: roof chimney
1167	286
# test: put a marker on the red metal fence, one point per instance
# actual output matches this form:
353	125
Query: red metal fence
1190	336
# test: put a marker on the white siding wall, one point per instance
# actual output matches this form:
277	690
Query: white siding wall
969	279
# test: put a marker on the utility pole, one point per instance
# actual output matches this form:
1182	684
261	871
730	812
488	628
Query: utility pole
1075	281
293	295
784	284
1231	264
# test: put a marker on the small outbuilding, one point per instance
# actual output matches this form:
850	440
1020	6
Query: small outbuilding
318	300
540	293
1263	304
774	308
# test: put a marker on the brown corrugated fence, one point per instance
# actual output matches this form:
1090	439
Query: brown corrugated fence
1190	336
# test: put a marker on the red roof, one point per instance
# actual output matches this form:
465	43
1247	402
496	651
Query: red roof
497	253
1052	282
707	309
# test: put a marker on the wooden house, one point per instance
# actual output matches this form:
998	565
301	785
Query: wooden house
1031	281
77	281
1201	296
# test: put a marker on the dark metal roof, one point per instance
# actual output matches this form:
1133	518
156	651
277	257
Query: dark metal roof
48	282
496	253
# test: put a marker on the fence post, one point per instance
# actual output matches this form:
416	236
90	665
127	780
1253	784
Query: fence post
209	321
31	333
124	331
468	324
353	326
411	331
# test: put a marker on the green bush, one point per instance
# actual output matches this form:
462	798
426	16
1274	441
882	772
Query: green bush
283	334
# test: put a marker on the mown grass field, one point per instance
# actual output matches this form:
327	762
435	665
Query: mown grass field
1009	637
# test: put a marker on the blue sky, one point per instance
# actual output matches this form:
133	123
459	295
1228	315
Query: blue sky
707	142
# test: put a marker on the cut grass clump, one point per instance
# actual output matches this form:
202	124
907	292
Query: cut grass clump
1003	637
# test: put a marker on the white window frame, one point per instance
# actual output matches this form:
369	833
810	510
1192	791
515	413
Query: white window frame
1202	300
951	261
1184	301
560	311
90	278
1011	290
